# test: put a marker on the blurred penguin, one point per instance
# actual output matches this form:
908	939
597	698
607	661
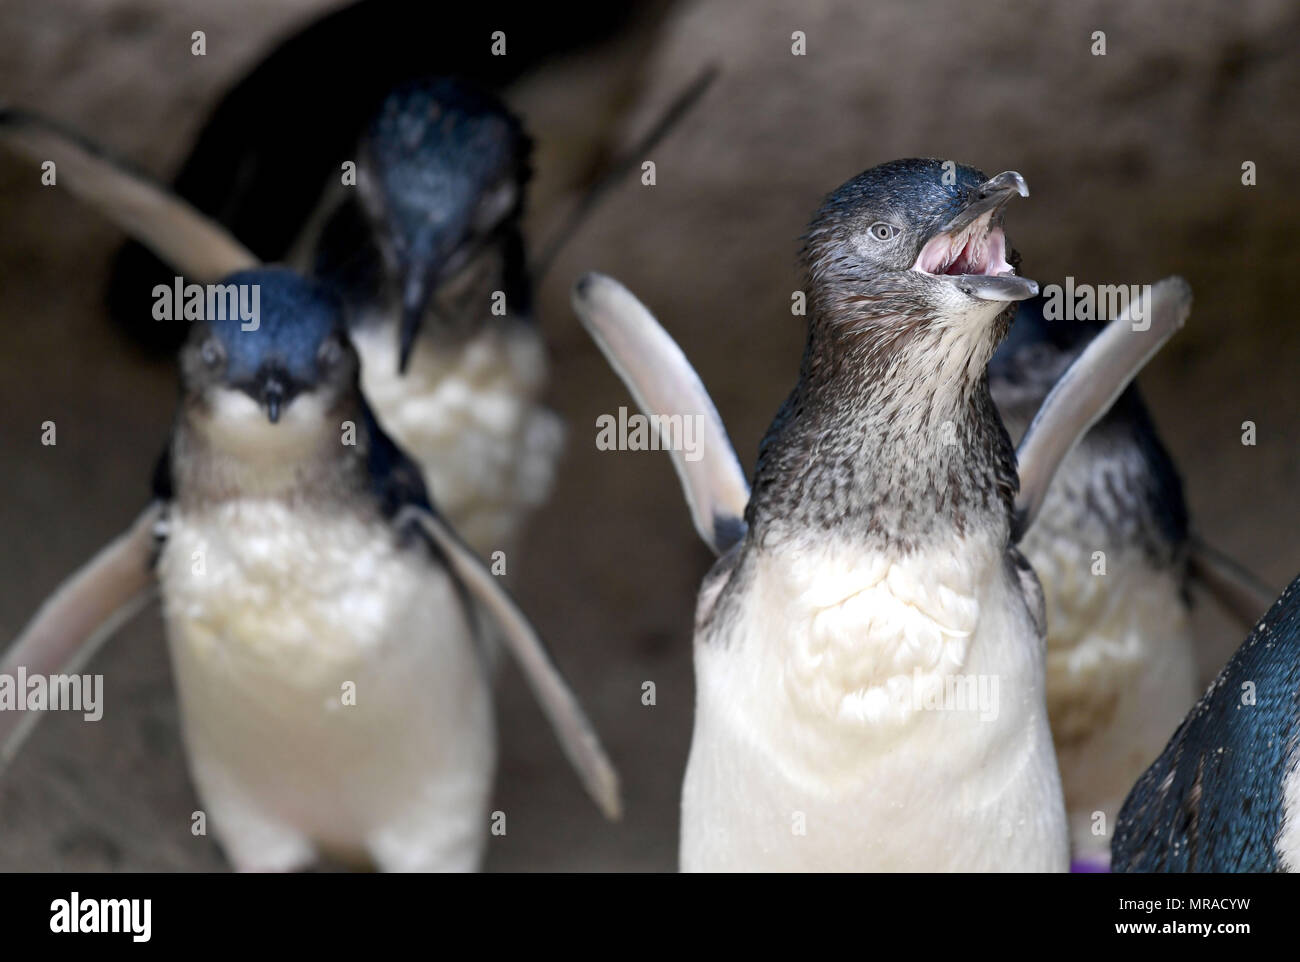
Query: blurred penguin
427	253
1113	551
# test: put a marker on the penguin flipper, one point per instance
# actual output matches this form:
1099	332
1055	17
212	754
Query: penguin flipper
193	243
83	612
572	727
1237	591
663	383
1088	388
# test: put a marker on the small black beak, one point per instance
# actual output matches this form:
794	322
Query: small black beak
274	392
415	298
273	398
426	264
990	195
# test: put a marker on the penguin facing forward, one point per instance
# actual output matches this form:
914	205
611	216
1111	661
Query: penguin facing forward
323	621
869	646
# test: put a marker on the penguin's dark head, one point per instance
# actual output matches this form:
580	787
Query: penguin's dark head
271	356
916	241
442	173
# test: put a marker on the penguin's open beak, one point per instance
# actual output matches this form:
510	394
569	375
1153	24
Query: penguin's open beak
990	197
971	247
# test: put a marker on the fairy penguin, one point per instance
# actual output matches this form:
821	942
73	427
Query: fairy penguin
334	699
427	252
869	658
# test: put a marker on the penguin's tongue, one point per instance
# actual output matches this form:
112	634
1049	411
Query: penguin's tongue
976	249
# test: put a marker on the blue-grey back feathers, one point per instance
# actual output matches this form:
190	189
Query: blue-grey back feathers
1213	800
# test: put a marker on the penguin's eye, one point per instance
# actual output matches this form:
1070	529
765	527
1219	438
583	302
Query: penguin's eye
330	354
494	205
882	231
211	353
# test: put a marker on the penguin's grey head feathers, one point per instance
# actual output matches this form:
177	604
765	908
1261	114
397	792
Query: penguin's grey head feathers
891	432
915	241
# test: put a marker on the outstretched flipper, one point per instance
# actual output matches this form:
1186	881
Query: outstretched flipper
193	243
572	728
1237	591
664	384
1089	387
81	614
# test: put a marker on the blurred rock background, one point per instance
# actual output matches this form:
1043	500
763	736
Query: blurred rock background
1134	160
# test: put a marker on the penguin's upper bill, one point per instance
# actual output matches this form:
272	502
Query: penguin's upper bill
294	348
443	170
971	244
923	217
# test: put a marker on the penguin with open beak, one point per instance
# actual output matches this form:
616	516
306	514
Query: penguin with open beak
869	646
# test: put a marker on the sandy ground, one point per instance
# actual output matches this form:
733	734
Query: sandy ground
1134	163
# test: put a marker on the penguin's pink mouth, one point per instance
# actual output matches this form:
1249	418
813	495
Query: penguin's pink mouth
976	249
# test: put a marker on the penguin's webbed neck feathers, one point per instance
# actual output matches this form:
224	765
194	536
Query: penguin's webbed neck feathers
898	461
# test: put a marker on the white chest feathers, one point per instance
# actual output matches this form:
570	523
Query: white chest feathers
471	414
1121	671
1287	844
332	696
862	711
